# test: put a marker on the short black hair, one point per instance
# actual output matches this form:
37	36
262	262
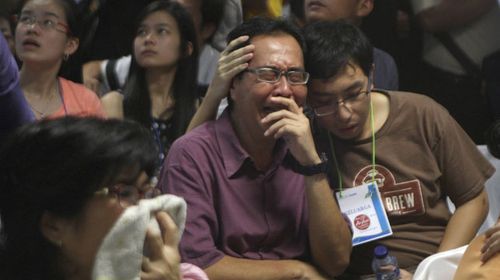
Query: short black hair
265	26
56	166
333	46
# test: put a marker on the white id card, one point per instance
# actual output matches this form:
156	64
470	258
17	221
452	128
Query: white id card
365	210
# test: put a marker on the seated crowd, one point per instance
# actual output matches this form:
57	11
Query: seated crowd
238	173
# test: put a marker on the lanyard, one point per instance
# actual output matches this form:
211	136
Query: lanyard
332	150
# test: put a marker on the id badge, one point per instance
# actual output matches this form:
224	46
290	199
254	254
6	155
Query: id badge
365	210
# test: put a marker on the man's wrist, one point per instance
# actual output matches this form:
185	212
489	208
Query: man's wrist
319	166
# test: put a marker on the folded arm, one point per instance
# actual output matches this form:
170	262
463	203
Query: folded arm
235	268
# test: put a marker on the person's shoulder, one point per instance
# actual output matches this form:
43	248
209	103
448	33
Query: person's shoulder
419	106
201	137
198	146
381	56
414	99
76	89
112	103
112	97
381	53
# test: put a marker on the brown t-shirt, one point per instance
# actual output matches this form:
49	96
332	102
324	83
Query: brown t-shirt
422	156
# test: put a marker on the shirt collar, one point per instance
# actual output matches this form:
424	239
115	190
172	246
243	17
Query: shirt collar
233	154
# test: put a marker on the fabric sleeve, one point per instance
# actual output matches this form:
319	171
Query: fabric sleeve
95	106
14	109
420	5
122	69
79	101
183	175
464	169
386	71
104	77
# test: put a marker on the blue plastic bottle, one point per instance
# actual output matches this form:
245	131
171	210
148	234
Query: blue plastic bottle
384	265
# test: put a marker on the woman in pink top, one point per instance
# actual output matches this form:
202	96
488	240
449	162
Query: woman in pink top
46	35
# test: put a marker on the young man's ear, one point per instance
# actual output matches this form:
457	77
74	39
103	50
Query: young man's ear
53	228
365	7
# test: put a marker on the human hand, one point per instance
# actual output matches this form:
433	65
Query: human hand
231	62
492	243
405	275
293	126
91	74
163	261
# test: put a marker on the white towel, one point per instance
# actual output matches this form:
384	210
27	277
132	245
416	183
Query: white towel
440	266
121	252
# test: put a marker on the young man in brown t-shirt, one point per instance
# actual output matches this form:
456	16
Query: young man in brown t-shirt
422	154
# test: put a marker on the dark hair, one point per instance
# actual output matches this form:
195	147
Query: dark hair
333	46
70	13
56	166
137	103
297	9
9	18
212	11
265	26
492	137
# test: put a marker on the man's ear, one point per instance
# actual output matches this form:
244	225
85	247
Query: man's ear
365	7
207	30
232	89
53	228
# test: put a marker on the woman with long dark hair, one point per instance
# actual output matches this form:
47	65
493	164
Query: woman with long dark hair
160	92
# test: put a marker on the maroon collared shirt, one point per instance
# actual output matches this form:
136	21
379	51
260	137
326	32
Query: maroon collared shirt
234	209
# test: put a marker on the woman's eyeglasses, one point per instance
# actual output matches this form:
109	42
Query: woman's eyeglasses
129	195
45	23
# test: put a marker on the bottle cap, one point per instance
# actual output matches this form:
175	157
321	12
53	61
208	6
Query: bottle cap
380	251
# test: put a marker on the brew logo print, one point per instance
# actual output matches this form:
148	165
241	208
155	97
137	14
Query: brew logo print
399	198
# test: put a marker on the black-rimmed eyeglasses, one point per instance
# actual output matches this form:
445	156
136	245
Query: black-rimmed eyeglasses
273	75
347	101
